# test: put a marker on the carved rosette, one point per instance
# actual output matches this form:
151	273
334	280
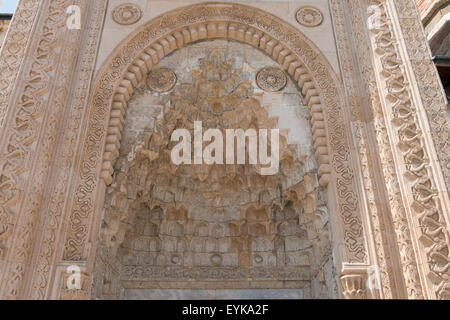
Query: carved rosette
81	293
161	80
271	79
309	16
127	13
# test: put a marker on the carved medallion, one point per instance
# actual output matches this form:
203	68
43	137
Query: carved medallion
161	80
309	16
127	13
271	79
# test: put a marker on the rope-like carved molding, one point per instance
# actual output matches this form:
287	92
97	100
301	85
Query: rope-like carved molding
239	32
126	66
418	177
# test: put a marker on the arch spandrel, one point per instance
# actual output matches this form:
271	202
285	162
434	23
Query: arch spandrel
297	55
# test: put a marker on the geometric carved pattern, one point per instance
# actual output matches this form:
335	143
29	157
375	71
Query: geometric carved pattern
31	137
54	211
361	133
13	51
411	186
428	82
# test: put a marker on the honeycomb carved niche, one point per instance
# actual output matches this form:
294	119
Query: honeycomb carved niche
127	14
168	223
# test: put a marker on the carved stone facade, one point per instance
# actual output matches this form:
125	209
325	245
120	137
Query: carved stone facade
5	19
359	207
